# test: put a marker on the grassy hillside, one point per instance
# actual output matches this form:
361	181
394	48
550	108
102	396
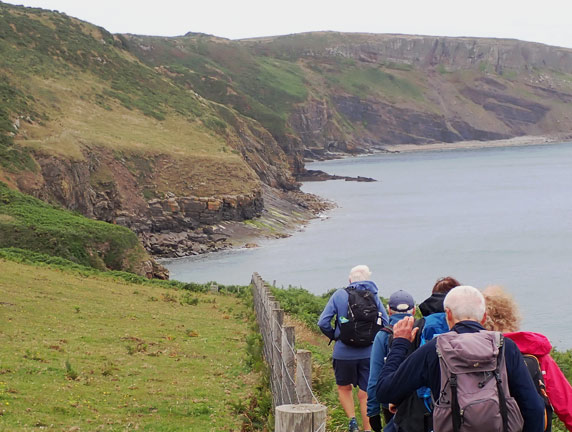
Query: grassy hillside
94	353
28	223
390	81
69	87
262	88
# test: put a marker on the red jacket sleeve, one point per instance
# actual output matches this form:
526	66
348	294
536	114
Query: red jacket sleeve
558	389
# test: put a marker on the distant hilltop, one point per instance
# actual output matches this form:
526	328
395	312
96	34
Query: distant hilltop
174	135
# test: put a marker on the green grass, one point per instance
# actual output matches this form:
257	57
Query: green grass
98	354
74	85
370	81
54	45
28	223
260	87
23	256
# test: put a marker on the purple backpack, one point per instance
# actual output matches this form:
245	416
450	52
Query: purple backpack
474	385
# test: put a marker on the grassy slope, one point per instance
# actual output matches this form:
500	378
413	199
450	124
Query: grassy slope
73	85
29	223
268	78
263	88
99	354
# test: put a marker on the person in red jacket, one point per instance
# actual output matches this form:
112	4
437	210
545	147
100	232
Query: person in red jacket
503	315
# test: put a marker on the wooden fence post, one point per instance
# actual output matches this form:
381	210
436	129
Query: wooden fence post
304	376
277	320
300	418
289	365
291	372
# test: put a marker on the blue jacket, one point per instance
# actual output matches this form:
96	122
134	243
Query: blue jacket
379	351
400	377
337	306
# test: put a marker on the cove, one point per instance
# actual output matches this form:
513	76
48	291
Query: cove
484	216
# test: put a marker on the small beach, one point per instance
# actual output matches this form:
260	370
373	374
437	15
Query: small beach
526	140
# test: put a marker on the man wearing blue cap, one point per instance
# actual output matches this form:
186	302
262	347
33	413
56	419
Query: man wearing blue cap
400	305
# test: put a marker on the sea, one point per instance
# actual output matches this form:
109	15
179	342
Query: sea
489	216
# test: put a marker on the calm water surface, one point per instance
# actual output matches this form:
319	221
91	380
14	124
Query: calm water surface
487	216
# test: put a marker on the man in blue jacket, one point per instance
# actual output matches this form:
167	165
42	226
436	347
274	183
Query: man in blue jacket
399	306
351	364
465	310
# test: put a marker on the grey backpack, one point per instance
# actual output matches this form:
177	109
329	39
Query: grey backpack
474	385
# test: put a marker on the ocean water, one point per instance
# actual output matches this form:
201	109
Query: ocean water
484	216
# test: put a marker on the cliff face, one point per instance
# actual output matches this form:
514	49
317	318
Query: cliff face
429	51
331	92
414	90
177	134
85	125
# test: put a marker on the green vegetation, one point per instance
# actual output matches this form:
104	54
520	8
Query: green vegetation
54	45
73	86
366	82
28	223
93	353
12	157
263	88
43	260
302	304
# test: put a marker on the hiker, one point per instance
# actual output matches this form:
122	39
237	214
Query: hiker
434	303
354	332
414	413
465	312
503	315
399	306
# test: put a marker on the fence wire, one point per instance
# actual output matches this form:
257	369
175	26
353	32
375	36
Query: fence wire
273	354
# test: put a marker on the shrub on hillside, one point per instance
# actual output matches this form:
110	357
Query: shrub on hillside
302	304
28	223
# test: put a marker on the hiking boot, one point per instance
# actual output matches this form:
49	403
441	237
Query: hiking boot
353	427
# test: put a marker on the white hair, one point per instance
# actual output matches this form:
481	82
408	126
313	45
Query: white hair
465	303
360	273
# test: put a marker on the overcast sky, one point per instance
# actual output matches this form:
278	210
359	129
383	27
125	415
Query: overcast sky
545	21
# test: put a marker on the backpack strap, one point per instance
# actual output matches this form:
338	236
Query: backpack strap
533	366
351	292
455	408
389	330
420	324
502	396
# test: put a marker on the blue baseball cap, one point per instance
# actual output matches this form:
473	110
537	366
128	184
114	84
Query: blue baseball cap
401	301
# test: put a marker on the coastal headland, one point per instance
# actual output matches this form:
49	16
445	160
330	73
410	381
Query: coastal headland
197	143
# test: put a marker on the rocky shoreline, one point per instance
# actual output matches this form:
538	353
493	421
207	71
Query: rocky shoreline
281	213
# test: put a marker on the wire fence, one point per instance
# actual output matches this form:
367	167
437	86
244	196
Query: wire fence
290	369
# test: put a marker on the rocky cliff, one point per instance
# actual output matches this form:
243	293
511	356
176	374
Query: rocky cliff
177	135
334	92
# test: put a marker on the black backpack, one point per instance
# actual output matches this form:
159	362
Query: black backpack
533	367
364	319
412	413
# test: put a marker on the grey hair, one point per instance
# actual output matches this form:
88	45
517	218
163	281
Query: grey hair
360	273
465	303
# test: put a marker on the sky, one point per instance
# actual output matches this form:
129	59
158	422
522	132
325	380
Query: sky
545	21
